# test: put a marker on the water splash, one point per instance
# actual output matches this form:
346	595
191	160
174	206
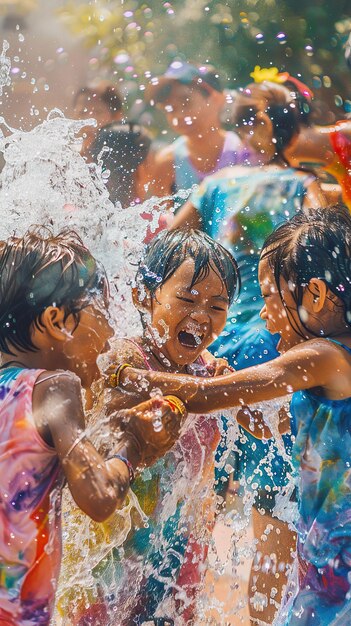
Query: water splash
5	67
46	181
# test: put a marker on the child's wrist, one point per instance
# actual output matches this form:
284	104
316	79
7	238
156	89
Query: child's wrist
130	448
114	378
127	463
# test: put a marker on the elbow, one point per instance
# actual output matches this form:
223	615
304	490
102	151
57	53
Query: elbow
101	508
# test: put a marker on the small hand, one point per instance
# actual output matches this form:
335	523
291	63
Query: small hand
155	426
218	367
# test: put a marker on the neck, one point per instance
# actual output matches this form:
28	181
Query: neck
30	360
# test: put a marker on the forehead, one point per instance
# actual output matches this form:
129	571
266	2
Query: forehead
183	277
245	100
178	91
265	274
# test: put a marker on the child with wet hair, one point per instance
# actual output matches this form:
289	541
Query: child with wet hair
53	326
305	279
185	283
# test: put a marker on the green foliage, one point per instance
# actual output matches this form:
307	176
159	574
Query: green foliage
135	38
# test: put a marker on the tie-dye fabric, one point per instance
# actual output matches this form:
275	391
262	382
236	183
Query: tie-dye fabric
30	531
322	458
159	566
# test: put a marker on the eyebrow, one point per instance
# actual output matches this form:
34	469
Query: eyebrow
222	298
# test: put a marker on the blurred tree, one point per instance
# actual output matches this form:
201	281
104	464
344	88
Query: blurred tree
136	39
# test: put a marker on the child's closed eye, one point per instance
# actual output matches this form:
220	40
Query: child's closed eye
217	308
185	299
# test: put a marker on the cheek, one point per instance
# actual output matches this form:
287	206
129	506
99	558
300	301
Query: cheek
275	311
218	322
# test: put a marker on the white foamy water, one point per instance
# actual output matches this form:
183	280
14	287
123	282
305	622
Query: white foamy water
5	67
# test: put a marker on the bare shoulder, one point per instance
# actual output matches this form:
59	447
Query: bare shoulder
329	360
55	382
165	156
57	396
126	351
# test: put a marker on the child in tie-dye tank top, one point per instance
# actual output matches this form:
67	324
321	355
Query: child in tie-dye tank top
52	323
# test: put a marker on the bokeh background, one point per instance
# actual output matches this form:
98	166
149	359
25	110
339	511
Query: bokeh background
56	46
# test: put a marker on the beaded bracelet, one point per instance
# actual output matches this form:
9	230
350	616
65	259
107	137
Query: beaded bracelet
114	379
127	463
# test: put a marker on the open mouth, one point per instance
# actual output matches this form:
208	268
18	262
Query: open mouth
189	340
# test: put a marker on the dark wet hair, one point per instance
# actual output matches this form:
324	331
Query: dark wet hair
106	92
40	270
314	243
170	249
121	148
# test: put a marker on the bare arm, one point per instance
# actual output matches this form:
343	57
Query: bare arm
97	488
162	174
315	363
187	217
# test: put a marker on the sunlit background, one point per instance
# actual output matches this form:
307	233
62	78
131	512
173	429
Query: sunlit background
58	46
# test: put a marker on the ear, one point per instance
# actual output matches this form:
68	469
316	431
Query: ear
53	320
317	290
143	304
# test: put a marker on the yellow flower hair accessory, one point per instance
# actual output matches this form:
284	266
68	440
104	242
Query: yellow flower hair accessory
272	74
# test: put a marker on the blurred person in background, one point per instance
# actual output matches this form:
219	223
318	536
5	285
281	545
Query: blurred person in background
192	99
101	102
123	150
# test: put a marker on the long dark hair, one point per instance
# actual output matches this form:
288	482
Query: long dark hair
40	270
314	243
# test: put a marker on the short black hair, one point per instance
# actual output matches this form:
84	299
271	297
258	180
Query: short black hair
169	249
314	243
121	148
40	270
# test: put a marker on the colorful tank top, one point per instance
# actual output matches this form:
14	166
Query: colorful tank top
322	458
30	488
186	175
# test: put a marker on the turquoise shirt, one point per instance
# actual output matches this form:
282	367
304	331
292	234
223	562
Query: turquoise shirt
322	458
240	207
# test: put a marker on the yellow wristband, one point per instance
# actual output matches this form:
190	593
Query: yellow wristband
114	379
177	403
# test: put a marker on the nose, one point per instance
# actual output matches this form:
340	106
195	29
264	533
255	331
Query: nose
263	313
200	316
